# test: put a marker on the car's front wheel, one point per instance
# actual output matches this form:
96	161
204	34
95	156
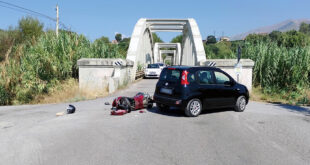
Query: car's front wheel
240	104
193	108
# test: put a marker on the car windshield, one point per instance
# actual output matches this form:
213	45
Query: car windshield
170	75
152	66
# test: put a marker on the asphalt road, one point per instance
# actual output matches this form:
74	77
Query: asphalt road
263	134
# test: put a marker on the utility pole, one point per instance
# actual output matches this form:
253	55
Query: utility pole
57	20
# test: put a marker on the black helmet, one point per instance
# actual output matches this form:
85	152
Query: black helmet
70	109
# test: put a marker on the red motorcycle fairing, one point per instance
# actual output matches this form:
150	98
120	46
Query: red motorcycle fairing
139	101
115	101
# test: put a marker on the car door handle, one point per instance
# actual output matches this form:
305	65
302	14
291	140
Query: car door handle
237	89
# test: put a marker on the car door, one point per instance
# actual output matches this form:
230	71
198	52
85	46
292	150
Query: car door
225	87
206	82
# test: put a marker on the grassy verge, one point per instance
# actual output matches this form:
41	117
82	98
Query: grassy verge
66	91
301	98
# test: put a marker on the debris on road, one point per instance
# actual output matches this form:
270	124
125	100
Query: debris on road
141	111
106	103
119	112
70	109
60	113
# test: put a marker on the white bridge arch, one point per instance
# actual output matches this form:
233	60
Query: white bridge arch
142	49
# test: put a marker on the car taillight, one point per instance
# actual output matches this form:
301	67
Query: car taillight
184	78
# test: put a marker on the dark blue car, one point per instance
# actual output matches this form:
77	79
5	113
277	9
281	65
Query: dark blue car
196	88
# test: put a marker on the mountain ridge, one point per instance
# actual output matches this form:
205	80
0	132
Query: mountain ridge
290	24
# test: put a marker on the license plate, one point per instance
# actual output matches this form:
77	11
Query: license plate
165	90
153	73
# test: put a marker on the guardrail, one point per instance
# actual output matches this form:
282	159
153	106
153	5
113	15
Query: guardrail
139	74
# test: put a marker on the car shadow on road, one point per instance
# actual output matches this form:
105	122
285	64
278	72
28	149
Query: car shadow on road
175	112
210	111
292	108
169	112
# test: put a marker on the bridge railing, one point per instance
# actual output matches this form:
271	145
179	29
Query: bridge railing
139	74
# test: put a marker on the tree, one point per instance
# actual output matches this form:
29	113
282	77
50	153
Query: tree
211	39
29	28
156	38
177	39
127	40
256	38
276	36
295	38
124	45
118	37
304	28
103	39
7	40
219	50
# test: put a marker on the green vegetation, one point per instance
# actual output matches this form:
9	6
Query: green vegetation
177	39
156	38
282	62
118	37
221	50
211	39
33	61
281	70
305	28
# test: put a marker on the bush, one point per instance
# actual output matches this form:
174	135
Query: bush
4	96
281	62
29	29
220	50
279	67
35	68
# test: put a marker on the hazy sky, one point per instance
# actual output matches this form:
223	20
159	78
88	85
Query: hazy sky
101	17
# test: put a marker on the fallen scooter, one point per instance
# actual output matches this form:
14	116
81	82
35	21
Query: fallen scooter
122	105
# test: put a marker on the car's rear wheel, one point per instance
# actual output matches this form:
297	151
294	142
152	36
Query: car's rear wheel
193	108
162	107
240	104
150	105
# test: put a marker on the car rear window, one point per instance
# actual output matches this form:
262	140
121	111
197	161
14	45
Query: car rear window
170	75
152	66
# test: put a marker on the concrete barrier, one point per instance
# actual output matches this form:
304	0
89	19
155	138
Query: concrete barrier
103	74
228	65
110	74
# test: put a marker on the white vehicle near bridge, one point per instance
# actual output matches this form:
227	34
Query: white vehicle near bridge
161	65
152	70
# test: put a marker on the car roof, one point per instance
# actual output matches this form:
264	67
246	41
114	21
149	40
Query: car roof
184	67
